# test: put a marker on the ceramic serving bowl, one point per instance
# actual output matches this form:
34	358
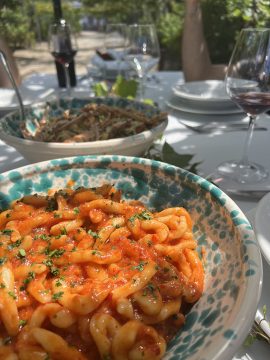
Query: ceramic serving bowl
218	323
34	151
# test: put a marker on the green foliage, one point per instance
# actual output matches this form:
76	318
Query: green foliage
223	19
257	332
125	88
169	28
121	87
14	25
43	13
21	22
166	153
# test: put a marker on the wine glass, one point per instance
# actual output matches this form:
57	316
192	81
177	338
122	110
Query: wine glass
248	84
115	43
143	51
63	47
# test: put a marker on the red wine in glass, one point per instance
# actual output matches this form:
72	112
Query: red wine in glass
64	57
248	84
253	103
63	47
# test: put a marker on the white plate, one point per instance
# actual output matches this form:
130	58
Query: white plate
204	95
210	90
262	226
176	105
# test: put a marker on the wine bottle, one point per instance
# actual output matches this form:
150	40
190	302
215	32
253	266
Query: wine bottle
58	15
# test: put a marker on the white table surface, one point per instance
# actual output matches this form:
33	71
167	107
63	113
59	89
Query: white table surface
208	149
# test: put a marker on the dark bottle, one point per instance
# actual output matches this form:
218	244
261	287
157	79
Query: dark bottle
59	68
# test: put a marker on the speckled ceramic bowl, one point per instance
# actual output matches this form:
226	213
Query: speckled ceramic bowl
219	322
134	145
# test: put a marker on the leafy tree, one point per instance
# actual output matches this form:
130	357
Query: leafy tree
22	20
14	24
223	19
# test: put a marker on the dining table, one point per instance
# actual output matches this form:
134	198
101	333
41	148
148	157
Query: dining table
180	145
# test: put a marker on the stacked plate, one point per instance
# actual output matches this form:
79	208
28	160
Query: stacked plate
202	97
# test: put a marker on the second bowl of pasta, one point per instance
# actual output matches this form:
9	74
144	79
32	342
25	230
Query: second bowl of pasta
83	126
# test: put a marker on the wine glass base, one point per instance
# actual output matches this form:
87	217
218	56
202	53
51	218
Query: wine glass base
250	173
232	176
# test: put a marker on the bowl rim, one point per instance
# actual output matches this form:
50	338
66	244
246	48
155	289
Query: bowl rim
140	137
245	316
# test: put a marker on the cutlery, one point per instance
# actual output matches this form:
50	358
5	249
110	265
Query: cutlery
13	82
218	127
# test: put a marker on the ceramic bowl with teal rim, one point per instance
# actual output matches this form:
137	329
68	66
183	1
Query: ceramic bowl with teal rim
34	151
219	322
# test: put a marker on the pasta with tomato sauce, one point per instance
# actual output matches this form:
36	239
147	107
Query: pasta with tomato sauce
85	274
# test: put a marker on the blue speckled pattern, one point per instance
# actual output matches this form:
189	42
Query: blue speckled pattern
218	323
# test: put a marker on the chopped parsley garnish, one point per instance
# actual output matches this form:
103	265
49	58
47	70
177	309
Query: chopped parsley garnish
56	253
76	210
58	282
15	244
140	266
8	215
58	295
22	323
144	215
2	286
93	233
54	271
21	253
3	260
11	294
150	290
64	231
42	237
7	231
48	262
56	216
96	252
31	275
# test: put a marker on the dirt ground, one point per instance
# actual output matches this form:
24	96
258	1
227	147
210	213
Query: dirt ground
39	59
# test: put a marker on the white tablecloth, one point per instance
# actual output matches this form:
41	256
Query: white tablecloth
208	150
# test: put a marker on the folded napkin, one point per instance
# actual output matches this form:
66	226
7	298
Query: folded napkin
111	65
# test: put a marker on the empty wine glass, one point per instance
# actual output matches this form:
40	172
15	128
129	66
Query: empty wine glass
143	51
63	47
248	84
115	43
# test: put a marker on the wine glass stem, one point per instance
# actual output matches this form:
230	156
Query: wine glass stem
244	161
66	66
142	87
